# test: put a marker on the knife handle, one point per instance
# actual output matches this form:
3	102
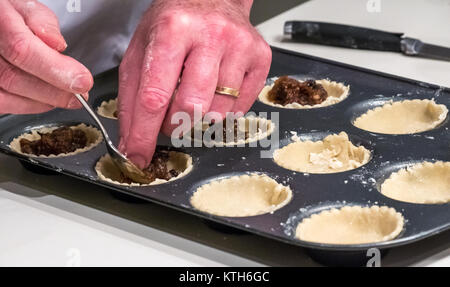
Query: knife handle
343	36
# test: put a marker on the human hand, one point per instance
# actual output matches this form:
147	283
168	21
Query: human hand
34	76
212	42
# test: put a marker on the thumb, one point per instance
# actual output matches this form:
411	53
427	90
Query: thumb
42	22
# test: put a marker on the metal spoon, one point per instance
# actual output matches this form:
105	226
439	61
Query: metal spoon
128	168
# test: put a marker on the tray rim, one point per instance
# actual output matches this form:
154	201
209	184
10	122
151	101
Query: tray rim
362	69
222	220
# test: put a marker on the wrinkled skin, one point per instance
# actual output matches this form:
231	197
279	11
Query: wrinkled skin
34	76
212	43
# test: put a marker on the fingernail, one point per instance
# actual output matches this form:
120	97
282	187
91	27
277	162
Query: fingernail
62	46
55	33
138	160
74	103
81	83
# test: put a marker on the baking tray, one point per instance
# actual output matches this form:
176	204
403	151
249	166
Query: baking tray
311	192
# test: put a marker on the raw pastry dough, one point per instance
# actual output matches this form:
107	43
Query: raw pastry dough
108	171
93	135
404	117
334	154
255	134
351	225
337	92
421	183
239	196
107	109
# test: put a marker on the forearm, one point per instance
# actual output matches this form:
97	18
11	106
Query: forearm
231	6
245	4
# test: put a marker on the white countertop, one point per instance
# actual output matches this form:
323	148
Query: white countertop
59	221
427	20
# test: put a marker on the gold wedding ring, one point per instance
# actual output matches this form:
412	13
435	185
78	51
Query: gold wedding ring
227	91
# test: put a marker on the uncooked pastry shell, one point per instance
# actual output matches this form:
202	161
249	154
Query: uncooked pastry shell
337	92
107	109
239	196
108	171
403	117
426	183
93	135
335	153
260	134
351	225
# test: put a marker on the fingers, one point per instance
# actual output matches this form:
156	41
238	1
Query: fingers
251	86
42	21
13	104
159	75
197	87
18	82
20	47
231	75
129	78
254	80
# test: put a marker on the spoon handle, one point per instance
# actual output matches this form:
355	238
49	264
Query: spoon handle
109	143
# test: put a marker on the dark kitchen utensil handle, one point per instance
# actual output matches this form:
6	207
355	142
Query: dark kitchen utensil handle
343	36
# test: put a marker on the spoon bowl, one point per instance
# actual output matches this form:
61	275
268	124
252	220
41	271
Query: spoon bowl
127	167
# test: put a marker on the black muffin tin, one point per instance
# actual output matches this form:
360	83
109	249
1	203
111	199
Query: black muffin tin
311	192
